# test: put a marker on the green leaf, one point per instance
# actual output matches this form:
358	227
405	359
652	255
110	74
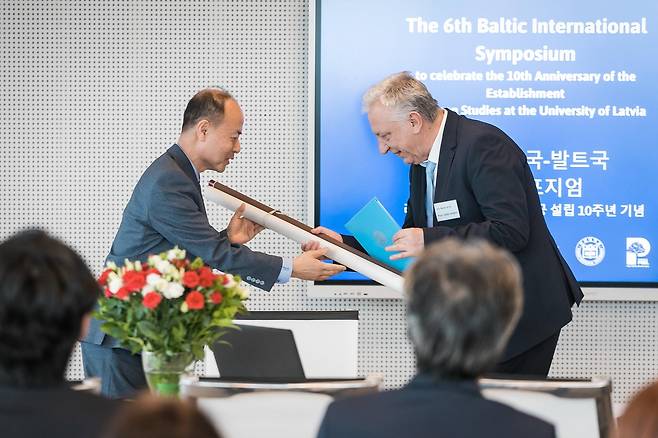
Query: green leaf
178	332
197	263
197	351
148	329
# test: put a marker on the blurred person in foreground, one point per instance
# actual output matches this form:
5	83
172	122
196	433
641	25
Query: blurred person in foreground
46	296
640	419
157	417
464	299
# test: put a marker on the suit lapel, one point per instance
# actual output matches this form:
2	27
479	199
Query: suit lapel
417	197
186	166
447	155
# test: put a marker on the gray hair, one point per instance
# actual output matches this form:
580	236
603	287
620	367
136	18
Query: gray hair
464	299
403	93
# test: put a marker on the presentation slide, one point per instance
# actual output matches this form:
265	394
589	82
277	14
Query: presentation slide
575	84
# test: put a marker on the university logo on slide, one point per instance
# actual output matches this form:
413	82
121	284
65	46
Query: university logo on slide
637	250
590	251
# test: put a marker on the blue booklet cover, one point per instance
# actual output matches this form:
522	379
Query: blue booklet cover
374	228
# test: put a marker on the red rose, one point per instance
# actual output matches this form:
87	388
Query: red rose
206	277
108	294
151	271
190	279
225	280
195	300
216	297
134	280
122	293
151	300
179	263
103	278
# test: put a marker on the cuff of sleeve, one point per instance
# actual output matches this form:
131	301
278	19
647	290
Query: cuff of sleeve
286	270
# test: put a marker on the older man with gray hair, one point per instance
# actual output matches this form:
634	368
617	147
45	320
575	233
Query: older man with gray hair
464	299
469	179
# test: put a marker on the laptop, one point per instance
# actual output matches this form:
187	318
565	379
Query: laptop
374	228
258	354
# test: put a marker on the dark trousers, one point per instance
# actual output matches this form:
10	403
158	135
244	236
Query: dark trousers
535	362
120	371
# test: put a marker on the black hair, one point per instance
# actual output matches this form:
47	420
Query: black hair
206	104
45	291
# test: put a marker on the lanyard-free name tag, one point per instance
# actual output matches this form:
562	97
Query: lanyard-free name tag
446	210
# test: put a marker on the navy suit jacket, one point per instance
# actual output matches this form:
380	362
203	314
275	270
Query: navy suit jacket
166	209
429	408
488	175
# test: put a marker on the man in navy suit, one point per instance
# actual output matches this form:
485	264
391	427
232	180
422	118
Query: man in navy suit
469	179
166	209
463	301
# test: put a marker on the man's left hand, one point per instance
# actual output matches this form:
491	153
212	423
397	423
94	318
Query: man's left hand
408	242
240	229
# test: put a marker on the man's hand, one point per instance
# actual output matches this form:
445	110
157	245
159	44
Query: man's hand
407	242
242	230
308	266
310	246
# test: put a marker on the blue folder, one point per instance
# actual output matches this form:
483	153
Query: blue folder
374	227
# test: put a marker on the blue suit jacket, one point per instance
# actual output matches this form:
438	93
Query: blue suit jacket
429	408
166	209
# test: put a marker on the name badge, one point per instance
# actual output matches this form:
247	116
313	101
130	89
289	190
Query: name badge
446	210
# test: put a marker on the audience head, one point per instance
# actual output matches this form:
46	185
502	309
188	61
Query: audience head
46	295
640	419
155	417
464	299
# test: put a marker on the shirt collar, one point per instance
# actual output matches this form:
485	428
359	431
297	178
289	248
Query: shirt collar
436	146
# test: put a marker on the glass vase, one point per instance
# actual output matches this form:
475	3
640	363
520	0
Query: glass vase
163	372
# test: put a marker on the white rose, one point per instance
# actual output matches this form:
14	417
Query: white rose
243	292
115	283
146	289
174	290
175	274
164	266
161	285
153	260
138	265
176	254
152	279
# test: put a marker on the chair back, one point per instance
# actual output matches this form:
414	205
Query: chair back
577	408
286	409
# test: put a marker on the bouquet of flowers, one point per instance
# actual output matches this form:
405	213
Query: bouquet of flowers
167	308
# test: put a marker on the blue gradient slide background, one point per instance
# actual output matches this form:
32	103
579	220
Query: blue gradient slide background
362	42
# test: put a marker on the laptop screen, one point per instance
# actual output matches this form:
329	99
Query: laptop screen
258	353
